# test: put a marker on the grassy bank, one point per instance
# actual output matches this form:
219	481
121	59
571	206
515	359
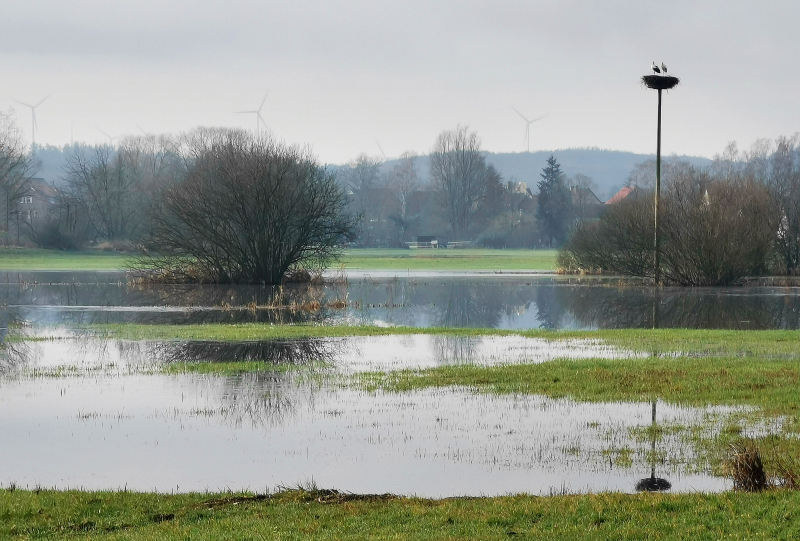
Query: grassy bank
357	259
315	514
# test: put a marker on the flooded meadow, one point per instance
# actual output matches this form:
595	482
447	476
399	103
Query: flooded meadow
82	411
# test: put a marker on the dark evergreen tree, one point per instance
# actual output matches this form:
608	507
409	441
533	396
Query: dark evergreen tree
554	205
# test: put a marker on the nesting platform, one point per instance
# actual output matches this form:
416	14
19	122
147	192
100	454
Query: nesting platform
660	82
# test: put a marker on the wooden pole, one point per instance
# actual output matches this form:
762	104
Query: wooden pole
657	239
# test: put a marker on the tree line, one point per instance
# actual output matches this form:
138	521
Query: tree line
107	194
720	225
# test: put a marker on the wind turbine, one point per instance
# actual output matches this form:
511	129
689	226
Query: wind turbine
528	128
381	149
33	118
257	112
110	139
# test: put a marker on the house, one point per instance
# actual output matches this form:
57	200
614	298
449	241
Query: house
585	204
37	202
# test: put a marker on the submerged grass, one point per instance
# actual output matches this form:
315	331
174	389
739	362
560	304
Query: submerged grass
327	514
686	342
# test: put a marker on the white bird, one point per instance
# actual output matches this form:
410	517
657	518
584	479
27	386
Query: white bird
663	67
655	68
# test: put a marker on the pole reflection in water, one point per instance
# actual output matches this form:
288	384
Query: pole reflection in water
653	483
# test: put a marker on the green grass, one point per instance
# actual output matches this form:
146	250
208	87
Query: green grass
357	259
298	514
37	259
450	260
772	385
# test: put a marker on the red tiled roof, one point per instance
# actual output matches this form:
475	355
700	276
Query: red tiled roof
620	195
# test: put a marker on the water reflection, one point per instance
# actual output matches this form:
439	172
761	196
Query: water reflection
653	483
286	352
505	301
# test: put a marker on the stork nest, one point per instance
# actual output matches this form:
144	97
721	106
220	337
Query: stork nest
660	82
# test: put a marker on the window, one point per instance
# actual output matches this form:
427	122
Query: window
26	199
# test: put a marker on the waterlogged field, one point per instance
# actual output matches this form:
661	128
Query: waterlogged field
431	386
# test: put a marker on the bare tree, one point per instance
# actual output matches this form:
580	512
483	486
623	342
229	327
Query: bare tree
108	187
361	176
403	180
784	184
458	173
249	210
643	175
715	232
16	168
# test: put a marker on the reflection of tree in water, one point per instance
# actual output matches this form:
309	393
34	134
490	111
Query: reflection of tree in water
706	308
287	352
463	305
551	311
263	398
203	303
453	349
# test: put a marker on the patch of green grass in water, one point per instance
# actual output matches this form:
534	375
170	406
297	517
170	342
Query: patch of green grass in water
688	342
299	514
772	385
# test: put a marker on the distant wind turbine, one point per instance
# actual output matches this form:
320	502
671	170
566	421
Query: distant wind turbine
110	139
257	112
381	149
34	125
528	128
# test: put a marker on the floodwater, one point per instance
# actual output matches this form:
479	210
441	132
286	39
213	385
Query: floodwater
417	300
78	412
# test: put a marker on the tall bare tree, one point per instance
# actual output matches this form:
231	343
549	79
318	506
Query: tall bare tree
108	187
16	168
458	173
403	180
361	176
784	184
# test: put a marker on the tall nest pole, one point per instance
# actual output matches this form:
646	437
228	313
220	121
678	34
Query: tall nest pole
658	82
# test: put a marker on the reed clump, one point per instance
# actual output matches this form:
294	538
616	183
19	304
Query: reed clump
746	466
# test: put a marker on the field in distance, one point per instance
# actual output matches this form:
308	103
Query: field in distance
353	259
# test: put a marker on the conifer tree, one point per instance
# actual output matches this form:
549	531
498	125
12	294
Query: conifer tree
554	204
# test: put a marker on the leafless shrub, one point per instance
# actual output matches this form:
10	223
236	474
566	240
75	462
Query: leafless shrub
248	211
713	232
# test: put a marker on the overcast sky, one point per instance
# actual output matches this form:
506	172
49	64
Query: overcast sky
343	75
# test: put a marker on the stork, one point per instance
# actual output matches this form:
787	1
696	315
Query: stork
655	68
664	68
